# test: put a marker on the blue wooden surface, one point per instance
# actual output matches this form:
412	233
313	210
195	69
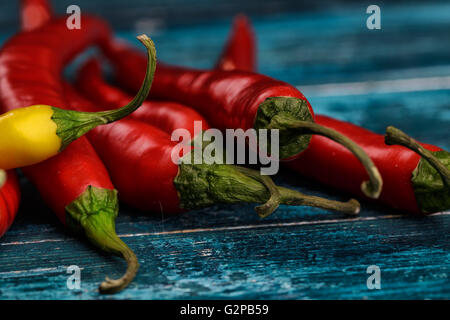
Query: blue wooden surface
297	253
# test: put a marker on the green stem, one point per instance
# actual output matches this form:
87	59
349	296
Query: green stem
395	136
295	198
2	177
101	233
141	96
291	142
93	213
274	201
73	124
371	188
118	247
202	185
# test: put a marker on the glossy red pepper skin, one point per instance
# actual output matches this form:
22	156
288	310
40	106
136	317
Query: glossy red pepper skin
31	62
138	158
240	52
144	176
152	123
165	115
168	115
62	179
198	179
228	99
34	14
331	164
9	201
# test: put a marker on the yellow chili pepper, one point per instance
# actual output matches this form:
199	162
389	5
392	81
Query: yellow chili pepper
27	136
33	134
2	178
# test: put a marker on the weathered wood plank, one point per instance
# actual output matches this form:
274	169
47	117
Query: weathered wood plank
423	114
327	260
326	46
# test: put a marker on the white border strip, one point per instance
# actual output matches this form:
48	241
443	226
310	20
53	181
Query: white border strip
382	86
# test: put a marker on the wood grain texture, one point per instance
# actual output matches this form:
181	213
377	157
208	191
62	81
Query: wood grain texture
297	253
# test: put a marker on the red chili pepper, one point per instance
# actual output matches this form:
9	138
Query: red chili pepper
240	53
75	183
239	100
9	201
227	99
165	115
240	50
31	62
409	183
34	14
139	159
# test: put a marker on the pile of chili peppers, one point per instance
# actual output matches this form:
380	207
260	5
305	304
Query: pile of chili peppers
55	132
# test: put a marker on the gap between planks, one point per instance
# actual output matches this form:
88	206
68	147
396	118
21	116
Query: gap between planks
234	228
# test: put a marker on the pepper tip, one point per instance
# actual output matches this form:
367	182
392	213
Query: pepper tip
145	40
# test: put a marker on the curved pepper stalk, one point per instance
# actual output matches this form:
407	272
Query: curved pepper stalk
73	124
93	213
295	122
431	177
204	184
